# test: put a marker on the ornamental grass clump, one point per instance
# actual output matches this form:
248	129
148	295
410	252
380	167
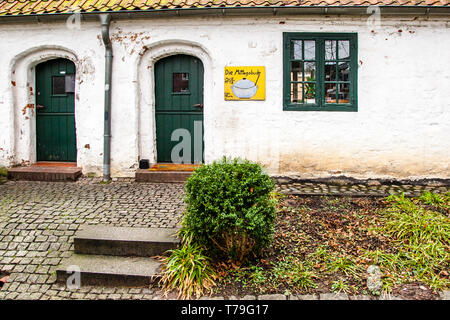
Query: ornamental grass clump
187	270
230	208
421	239
409	222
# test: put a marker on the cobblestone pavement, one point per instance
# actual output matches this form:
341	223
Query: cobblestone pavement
371	188
39	219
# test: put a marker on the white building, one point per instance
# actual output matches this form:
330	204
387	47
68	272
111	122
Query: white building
372	101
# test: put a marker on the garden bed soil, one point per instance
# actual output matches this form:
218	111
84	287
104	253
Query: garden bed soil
343	224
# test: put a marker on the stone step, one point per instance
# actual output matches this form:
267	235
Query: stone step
44	173
124	241
144	175
109	270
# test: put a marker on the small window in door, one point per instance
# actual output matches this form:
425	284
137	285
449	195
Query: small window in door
63	84
58	85
181	82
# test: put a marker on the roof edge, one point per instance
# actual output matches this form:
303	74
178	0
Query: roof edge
233	11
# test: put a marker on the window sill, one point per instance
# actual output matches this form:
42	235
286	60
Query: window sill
342	108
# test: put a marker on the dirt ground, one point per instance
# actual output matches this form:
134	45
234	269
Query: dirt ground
342	225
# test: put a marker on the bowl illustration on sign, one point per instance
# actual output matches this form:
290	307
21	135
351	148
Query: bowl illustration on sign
244	88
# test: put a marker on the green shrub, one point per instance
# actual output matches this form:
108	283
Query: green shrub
230	208
3	172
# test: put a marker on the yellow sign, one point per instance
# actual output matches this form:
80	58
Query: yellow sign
245	83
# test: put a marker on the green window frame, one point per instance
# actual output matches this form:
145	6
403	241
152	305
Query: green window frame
320	71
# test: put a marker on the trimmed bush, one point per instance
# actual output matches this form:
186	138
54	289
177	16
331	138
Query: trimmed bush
230	208
3	175
3	172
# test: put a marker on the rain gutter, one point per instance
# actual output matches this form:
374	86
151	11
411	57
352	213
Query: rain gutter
240	11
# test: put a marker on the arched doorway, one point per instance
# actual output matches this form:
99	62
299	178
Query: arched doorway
55	111
179	109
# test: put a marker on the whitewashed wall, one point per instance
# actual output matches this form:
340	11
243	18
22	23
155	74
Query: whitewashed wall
401	129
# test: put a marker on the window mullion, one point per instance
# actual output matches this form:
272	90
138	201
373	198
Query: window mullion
320	58
353	71
287	70
352	66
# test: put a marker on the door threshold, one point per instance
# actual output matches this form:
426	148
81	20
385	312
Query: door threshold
54	164
173	167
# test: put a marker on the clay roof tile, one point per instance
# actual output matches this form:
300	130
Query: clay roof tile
24	7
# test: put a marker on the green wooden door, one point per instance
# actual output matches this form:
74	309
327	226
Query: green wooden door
55	105
179	109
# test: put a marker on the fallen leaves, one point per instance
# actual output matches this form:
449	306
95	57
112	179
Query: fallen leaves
3	280
341	224
346	228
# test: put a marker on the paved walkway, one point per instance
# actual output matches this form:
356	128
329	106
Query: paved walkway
39	219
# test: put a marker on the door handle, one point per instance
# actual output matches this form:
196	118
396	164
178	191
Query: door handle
198	105
40	107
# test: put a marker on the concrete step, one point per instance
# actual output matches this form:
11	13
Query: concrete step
110	270
44	173
145	175
124	241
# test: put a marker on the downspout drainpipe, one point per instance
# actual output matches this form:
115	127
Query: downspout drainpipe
105	20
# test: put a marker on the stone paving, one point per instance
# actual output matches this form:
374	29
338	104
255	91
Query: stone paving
369	188
39	219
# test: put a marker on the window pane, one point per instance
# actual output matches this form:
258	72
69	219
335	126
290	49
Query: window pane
59	85
344	49
310	92
330	71
180	82
310	50
310	71
69	83
296	93
330	93
344	71
330	50
296	71
296	47
344	93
